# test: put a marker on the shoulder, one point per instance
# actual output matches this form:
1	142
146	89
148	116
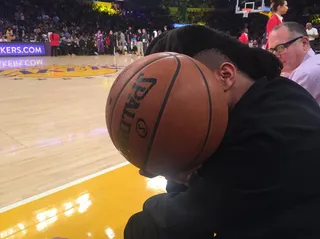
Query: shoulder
274	18
286	95
275	104
273	21
277	89
271	116
308	69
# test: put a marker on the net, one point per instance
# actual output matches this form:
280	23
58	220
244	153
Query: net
246	12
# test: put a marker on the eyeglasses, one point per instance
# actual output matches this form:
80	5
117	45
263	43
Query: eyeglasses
278	49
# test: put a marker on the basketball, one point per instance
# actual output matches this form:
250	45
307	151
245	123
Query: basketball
166	113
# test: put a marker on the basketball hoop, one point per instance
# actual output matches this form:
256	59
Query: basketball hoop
246	12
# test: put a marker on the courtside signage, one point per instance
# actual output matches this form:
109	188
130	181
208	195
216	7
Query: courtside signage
22	49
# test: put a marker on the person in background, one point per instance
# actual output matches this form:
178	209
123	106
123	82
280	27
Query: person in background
74	48
90	45
290	43
154	34
54	43
9	34
132	47
113	43
116	38
279	8
128	38
99	42
312	34
82	46
139	43
145	40
122	42
244	38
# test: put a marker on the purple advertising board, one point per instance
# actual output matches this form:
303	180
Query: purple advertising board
22	49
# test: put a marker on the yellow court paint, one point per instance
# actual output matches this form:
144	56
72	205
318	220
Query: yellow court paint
97	208
57	71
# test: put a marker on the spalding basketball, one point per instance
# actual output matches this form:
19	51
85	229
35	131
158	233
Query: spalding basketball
166	113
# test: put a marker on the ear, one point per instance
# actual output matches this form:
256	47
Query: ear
306	44
226	74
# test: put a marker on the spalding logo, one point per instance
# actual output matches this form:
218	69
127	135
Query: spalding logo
141	88
141	128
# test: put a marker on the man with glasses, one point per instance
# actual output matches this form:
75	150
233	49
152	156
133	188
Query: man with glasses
289	42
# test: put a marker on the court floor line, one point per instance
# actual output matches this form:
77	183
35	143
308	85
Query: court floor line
2	131
60	188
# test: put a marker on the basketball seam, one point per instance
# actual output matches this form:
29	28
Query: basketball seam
210	110
124	86
163	106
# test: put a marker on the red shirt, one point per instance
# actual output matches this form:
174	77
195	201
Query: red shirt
272	23
108	40
54	39
244	38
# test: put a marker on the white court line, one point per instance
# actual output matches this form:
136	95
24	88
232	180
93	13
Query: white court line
60	188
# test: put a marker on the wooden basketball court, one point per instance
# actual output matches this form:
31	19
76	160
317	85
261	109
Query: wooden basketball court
60	175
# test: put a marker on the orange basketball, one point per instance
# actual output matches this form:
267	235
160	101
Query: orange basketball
166	113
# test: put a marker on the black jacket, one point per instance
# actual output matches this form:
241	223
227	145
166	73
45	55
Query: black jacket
264	180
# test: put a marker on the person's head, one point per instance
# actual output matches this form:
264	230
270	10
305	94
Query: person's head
279	6
110	32
246	30
234	64
309	25
139	31
289	42
143	30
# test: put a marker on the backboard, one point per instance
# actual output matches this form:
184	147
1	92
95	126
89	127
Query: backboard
256	6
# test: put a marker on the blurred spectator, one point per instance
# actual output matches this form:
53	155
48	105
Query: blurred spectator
244	38
313	35
54	42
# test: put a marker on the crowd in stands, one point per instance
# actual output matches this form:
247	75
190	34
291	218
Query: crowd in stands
81	30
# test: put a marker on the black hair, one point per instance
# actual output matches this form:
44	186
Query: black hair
275	4
294	28
194	39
